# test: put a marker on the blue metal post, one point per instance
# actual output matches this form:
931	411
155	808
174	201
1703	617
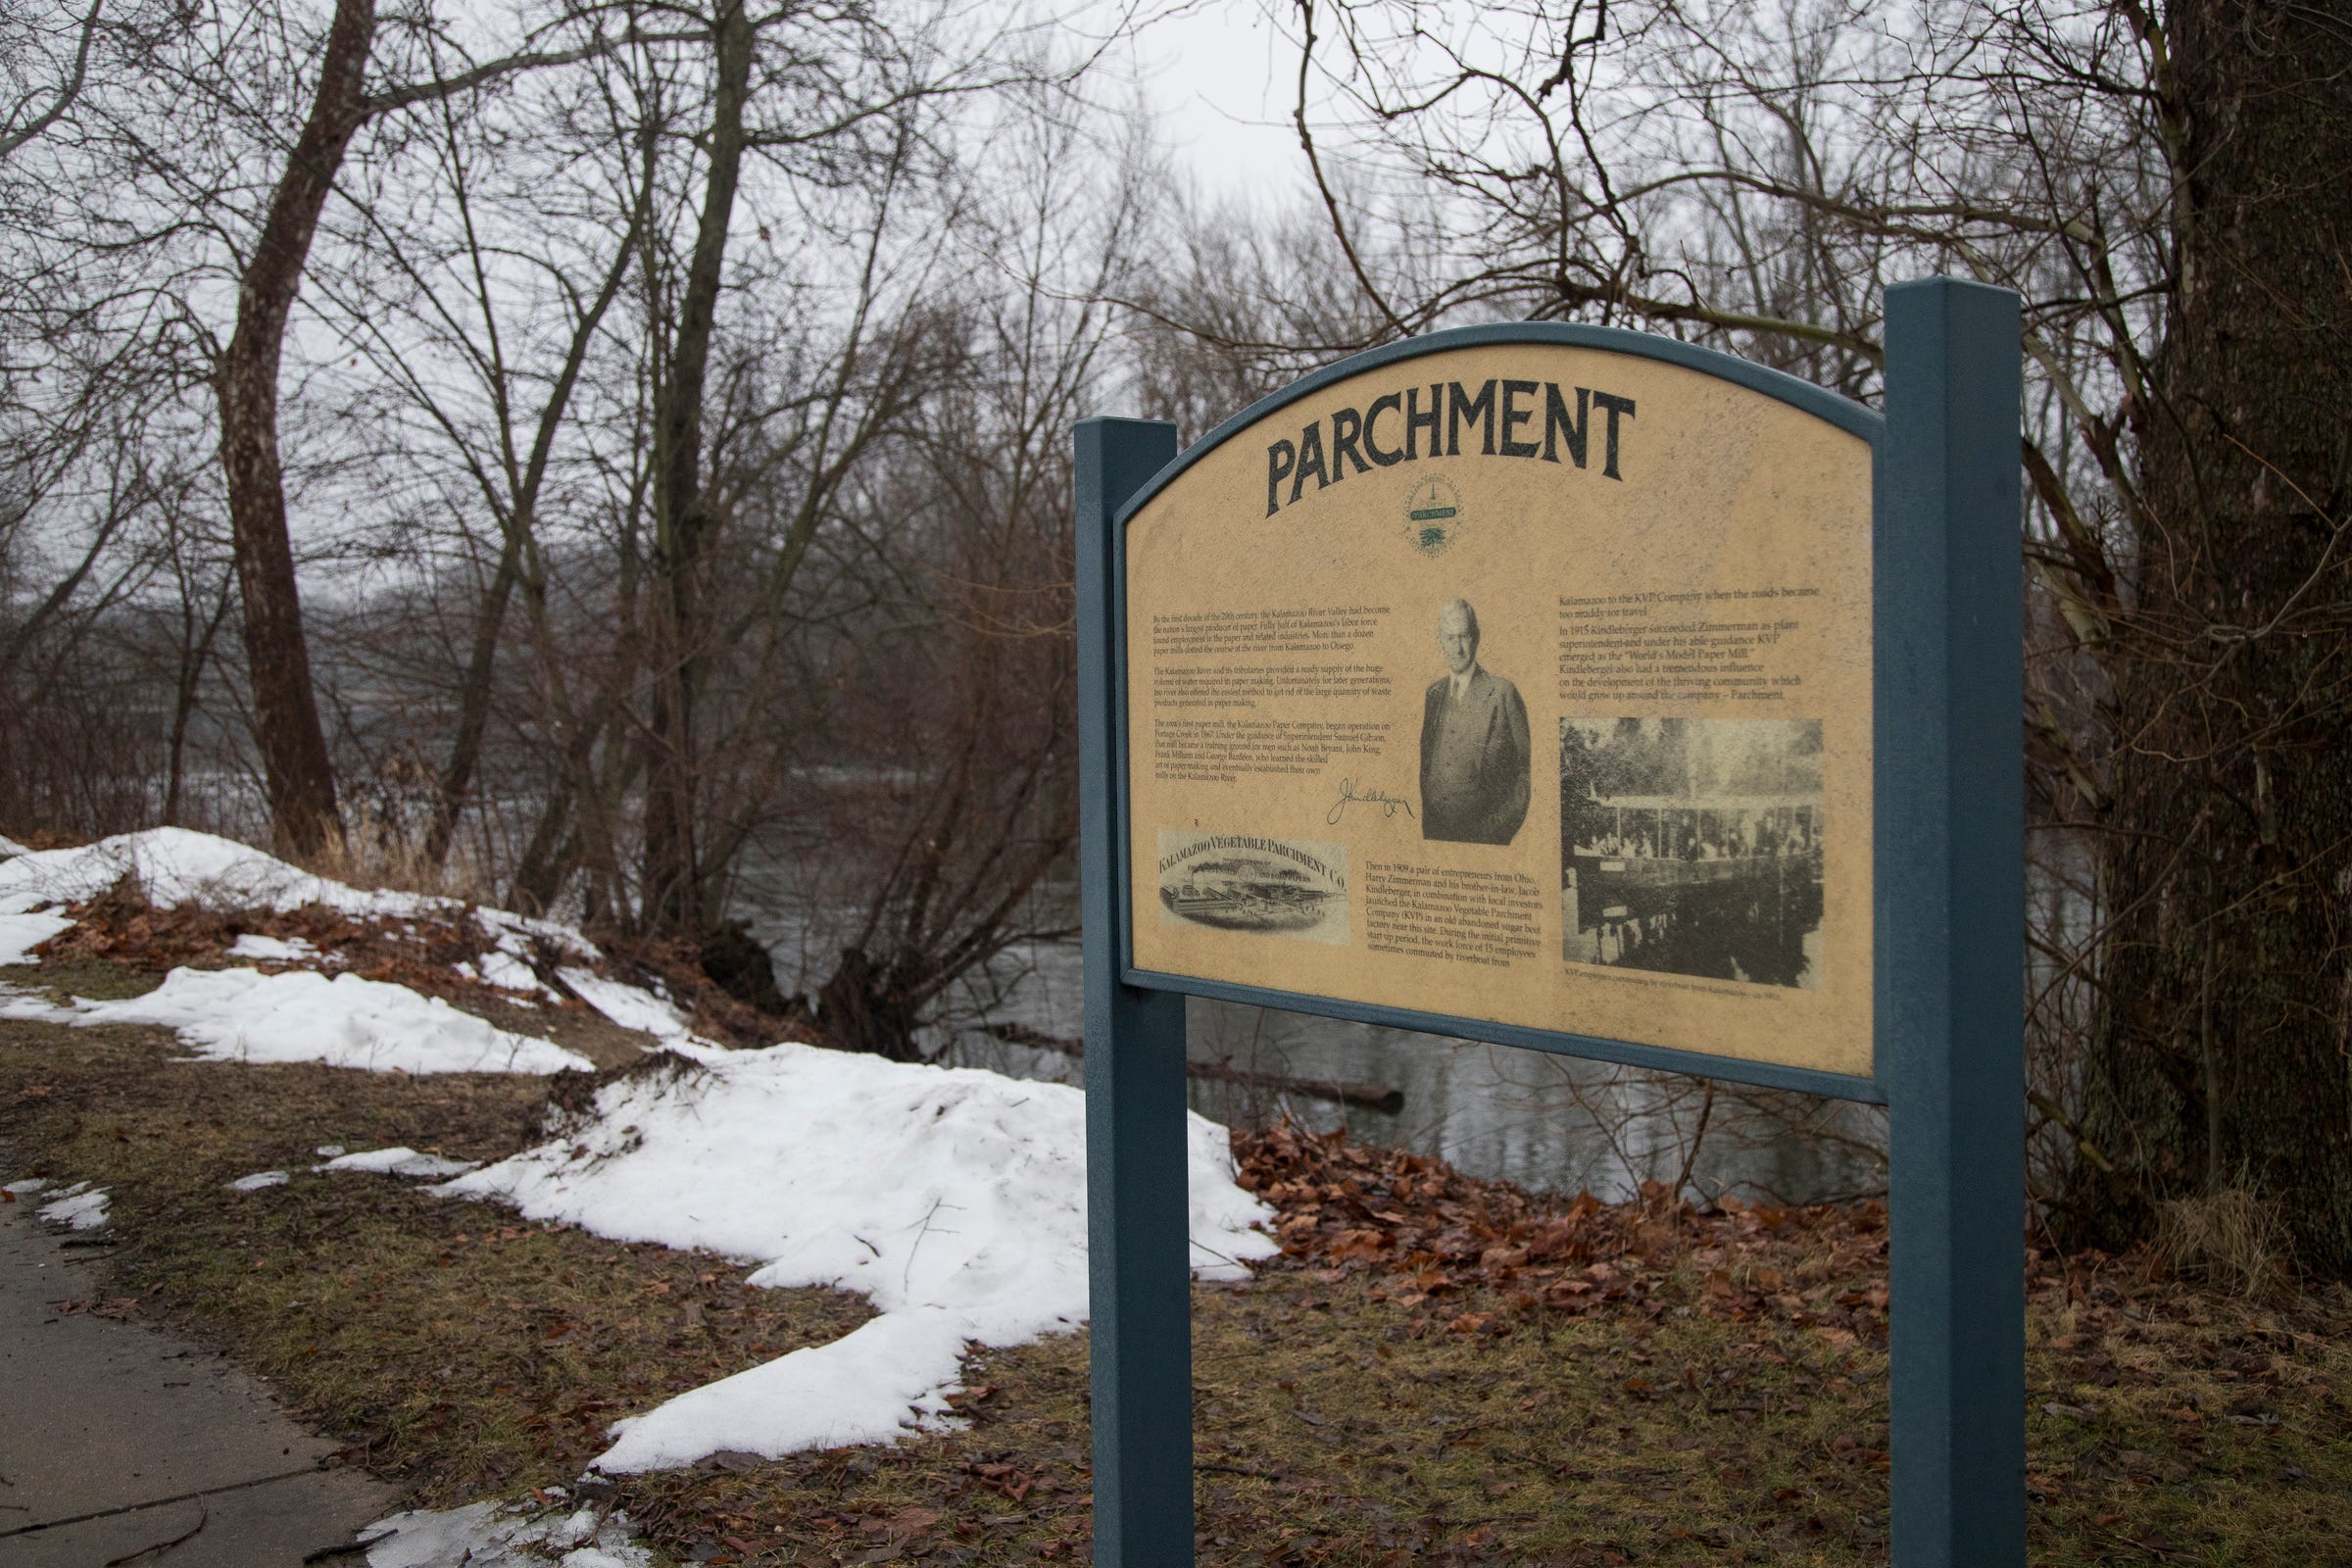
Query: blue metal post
1137	1235
1950	814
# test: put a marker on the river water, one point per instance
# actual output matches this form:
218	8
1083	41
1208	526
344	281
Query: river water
1551	1123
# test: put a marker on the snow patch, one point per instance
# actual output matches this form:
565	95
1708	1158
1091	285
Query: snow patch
80	1207
494	1534
272	950
177	867
952	1199
174	866
400	1162
869	1386
515	934
20	934
29	1005
258	1180
509	973
630	1007
342	1022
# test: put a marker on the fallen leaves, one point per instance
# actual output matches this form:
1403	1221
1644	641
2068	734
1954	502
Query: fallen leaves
1013	1483
1434	1231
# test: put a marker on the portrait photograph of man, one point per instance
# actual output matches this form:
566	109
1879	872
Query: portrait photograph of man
1473	743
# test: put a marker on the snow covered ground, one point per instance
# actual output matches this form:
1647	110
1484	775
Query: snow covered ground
401	1160
490	1535
272	950
80	1207
240	1014
341	1021
243	1015
953	1200
23	931
630	1007
179	866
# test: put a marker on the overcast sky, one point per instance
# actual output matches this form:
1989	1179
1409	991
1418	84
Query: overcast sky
1222	81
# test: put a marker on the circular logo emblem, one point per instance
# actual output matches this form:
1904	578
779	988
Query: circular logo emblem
1432	514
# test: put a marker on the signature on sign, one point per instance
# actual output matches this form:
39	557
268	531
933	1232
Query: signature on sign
1390	805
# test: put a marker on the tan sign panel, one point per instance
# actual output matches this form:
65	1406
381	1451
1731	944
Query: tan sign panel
1521	683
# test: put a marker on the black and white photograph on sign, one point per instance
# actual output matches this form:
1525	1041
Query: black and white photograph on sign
1475	755
1269	887
1692	846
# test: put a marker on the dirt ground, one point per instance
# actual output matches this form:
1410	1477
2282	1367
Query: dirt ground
1439	1370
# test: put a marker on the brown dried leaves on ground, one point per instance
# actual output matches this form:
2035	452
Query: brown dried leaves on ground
1427	1233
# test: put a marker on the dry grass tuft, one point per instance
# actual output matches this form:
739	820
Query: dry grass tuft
373	854
44	838
2229	1240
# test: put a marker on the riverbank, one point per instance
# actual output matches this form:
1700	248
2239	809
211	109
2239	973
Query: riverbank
1435	1368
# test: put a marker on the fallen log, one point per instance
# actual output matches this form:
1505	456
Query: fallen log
1373	1096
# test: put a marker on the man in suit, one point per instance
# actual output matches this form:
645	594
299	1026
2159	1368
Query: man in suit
1474	746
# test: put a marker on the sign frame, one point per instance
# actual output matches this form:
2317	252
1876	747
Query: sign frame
1946	920
1846	416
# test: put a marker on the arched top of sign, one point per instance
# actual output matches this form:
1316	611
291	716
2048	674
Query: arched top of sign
1822	404
1515	682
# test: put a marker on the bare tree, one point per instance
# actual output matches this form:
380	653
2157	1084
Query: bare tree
831	98
963	731
662	599
46	67
301	774
480	321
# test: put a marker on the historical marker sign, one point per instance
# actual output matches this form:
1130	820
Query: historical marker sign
1588	692
1524	682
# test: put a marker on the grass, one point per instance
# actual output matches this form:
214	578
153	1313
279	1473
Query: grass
1694	1393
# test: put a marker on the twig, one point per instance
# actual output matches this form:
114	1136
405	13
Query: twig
350	1548
1375	1096
1706	1108
908	1274
2083	1143
203	1513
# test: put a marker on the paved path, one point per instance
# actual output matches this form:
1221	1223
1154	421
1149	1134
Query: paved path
116	1439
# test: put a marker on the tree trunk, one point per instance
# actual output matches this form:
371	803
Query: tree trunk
301	777
674	891
520	518
547	860
862	1007
2220	1054
473	703
196	650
